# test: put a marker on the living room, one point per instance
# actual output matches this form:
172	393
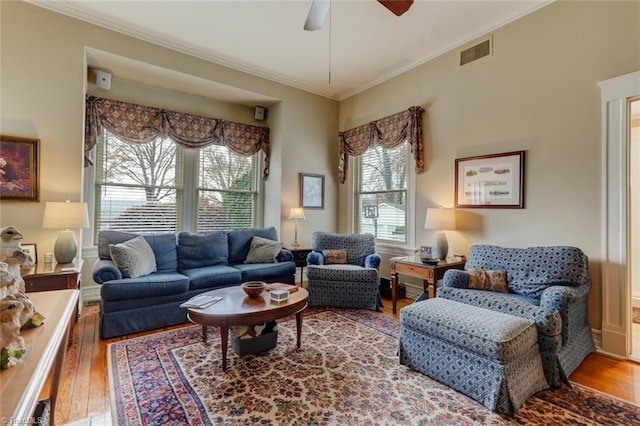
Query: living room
538	92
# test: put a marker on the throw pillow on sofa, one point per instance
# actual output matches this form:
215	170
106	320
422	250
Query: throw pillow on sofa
134	257
492	280
263	250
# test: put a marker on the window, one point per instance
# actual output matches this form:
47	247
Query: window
381	193
227	193
151	187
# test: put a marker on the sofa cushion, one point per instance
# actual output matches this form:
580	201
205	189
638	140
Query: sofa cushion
213	276
164	247
266	271
152	285
262	250
240	242
198	250
548	323
133	257
492	280
342	273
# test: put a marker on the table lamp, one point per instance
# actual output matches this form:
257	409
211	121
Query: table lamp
297	213
440	219
65	215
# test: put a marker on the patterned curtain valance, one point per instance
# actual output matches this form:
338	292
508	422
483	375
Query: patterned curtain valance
139	124
388	132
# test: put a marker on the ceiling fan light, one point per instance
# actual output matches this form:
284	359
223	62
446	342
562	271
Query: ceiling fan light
317	15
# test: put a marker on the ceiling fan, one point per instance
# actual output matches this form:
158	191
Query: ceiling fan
320	8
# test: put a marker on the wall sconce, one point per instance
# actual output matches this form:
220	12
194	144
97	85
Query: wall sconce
65	215
296	214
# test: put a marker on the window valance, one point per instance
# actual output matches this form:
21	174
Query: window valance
388	132
139	124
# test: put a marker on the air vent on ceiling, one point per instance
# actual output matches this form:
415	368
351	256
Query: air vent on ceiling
475	52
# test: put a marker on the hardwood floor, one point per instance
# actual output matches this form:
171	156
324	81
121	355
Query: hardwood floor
84	389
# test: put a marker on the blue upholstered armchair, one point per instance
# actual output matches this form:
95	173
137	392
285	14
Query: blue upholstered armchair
548	285
343	271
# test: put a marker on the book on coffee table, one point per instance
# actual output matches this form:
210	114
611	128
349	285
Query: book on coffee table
282	286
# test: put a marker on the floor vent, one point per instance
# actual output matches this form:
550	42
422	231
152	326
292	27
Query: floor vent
476	52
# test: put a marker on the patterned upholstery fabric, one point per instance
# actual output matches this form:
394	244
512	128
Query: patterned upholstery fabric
354	284
548	285
490	356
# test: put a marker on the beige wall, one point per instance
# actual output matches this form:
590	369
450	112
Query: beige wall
538	93
42	81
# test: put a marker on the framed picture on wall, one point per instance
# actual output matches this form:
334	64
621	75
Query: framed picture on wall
311	191
19	167
490	181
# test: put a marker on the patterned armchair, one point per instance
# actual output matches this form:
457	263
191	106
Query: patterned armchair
342	271
548	285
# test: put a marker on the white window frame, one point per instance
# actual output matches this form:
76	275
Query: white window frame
190	182
384	245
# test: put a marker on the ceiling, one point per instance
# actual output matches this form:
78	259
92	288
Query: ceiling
360	45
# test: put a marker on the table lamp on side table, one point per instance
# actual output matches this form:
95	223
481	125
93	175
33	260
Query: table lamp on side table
440	219
296	214
65	215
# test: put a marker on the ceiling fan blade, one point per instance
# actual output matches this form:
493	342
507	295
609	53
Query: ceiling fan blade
398	7
317	15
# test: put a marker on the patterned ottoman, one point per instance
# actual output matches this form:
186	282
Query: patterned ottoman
490	356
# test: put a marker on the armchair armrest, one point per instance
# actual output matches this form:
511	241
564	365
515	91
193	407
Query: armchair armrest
284	256
105	270
372	261
556	298
315	258
455	278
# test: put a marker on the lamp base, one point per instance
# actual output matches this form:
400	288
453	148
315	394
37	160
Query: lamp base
66	247
295	244
440	247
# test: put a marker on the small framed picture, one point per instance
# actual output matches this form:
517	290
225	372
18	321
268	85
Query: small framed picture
311	191
31	251
425	252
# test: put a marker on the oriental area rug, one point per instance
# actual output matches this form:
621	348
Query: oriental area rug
346	373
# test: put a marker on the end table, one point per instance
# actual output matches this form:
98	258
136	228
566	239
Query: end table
413	266
300	258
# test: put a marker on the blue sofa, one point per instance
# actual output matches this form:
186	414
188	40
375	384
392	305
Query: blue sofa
187	264
547	285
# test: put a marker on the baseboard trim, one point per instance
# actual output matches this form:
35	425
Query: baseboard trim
90	294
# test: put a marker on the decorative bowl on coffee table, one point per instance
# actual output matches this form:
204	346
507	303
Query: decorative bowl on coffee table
254	288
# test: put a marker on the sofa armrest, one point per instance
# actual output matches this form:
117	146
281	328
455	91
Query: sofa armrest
315	258
372	261
284	256
105	270
455	278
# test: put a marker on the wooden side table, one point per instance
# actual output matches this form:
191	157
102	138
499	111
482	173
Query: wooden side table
20	385
413	266
300	258
52	276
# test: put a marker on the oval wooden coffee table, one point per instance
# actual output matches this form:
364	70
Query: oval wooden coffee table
236	308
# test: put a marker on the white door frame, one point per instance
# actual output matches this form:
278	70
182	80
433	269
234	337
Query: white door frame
616	288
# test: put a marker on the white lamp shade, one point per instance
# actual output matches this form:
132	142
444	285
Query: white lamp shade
440	219
65	215
297	213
